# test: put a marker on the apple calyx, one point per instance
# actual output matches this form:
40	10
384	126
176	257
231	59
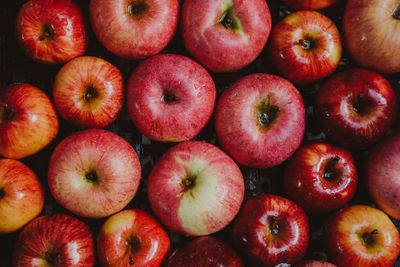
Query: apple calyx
169	98
92	177
137	8
368	238
273	225
331	171
266	113
308	43
396	12
7	113
362	105
47	32
90	94
229	20
2	193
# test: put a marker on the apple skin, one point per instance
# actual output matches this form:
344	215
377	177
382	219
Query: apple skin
310	4
352	228
204	252
383	180
227	48
132	236
260	120
170	98
305	47
89	92
320	177
365	24
356	107
313	263
55	240
51	31
28	121
94	173
21	195
140	34
195	189
270	230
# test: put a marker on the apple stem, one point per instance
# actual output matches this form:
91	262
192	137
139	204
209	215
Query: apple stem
396	13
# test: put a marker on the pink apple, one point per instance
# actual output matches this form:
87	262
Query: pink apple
94	173
305	47
309	4
195	189
28	121
56	240
21	195
270	230
132	238
313	263
51	31
134	29
88	92
170	98
225	35
260	120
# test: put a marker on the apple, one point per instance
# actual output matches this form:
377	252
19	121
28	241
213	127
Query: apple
260	120
94	173
28	121
313	263
320	177
204	252
134	29
356	107
21	195
305	47
55	240
195	189
362	236
383	179
310	4
270	230
370	29
170	98
132	238
51	31
225	35
89	92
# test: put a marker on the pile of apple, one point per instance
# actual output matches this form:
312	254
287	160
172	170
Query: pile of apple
256	122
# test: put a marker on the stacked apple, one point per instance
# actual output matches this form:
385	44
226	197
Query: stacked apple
165	173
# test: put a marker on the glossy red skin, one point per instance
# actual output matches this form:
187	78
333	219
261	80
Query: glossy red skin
383	179
301	65
336	112
34	125
115	162
166	195
134	38
68	238
23	195
154	241
191	84
304	181
66	19
309	4
69	90
204	252
314	264
344	246
252	237
220	49
366	23
238	128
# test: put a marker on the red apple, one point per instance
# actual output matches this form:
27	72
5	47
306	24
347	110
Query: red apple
362	236
225	35
170	98
383	175
356	107
28	121
312	263
132	238
51	31
195	189
309	4
371	33
305	47
134	29
260	120
320	177
56	240
88	92
204	252
269	230
94	173
21	195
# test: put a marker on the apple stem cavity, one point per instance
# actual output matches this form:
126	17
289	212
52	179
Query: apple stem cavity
90	94
2	193
169	98
51	257
369	237
7	113
361	105
138	8
188	182
331	172
396	13
266	113
228	20
47	32
273	225
92	177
